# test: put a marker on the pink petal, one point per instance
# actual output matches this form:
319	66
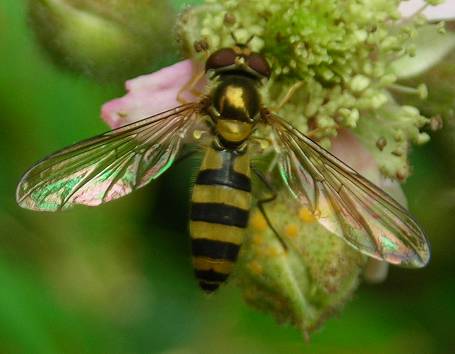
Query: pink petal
444	11
349	150
375	271
150	94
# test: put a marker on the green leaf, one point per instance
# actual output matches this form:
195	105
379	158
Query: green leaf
305	284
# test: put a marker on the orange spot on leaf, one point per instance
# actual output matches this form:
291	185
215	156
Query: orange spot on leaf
256	267
258	222
307	215
291	230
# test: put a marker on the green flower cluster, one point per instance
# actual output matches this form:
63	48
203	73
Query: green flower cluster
339	54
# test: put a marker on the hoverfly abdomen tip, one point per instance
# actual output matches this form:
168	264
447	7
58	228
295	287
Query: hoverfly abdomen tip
208	287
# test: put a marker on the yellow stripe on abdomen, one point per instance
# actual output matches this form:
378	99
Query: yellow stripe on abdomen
217	232
207	264
221	194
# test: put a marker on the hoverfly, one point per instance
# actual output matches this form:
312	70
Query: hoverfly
113	164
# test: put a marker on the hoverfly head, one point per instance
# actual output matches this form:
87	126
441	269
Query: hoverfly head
239	59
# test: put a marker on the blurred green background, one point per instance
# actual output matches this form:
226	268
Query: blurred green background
118	278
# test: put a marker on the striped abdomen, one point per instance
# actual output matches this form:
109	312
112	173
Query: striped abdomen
220	208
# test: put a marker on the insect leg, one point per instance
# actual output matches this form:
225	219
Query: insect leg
190	87
266	144
185	156
288	95
261	203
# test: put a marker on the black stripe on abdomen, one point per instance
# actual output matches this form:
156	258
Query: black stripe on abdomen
218	250
218	213
211	276
224	177
209	287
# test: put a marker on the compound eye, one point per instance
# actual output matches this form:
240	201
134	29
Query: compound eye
221	58
259	64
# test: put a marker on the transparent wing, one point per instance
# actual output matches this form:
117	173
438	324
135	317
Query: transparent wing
108	166
346	203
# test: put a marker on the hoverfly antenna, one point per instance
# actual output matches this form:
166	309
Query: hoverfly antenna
234	38
237	42
250	39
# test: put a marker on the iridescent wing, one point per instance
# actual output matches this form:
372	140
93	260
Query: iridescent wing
108	166
346	203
